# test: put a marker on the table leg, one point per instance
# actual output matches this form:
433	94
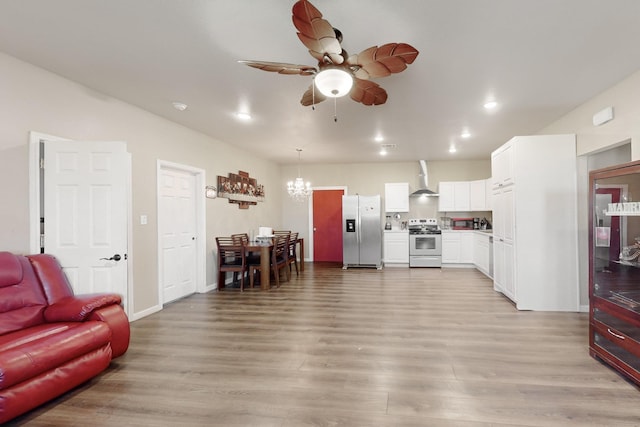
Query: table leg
265	264
301	241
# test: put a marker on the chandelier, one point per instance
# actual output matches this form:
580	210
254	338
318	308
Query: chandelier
298	189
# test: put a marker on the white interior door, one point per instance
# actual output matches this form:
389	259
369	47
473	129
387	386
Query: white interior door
177	231
85	213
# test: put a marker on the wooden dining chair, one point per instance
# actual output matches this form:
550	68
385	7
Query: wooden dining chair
279	260
293	256
231	258
241	238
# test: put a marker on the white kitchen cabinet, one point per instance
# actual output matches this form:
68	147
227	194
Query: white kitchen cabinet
478	195
396	197
450	247
481	252
535	223
488	193
454	196
396	247
503	232
457	247
502	166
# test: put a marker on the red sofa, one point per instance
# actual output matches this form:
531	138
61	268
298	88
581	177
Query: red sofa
50	340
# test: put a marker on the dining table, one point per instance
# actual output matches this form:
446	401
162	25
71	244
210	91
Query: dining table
264	247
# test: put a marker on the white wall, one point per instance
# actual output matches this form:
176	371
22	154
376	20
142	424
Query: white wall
624	97
35	100
617	141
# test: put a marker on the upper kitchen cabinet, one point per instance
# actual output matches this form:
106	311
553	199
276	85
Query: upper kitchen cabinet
454	196
535	230
396	197
478	197
502	165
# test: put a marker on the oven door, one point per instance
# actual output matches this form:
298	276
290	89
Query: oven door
425	244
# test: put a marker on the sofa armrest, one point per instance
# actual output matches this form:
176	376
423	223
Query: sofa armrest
78	308
115	317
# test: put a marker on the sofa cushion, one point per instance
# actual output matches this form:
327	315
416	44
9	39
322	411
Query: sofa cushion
10	269
22	304
27	353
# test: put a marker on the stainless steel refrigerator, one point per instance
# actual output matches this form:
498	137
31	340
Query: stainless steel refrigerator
361	232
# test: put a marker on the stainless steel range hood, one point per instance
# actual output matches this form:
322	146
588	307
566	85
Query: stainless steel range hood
423	182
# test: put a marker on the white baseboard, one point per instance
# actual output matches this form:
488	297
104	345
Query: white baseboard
145	313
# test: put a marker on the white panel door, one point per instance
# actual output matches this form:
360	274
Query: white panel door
85	213
177	226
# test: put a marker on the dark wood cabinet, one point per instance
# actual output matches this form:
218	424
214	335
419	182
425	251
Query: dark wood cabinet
614	267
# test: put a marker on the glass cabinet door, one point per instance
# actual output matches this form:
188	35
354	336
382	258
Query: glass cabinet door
615	228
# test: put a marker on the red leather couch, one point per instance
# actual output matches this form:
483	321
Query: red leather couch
50	340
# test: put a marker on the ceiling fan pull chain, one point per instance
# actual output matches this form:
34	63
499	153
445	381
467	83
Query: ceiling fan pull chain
335	110
313	93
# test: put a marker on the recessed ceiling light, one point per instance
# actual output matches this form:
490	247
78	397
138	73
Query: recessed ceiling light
465	134
452	149
243	116
383	151
379	138
490	105
179	106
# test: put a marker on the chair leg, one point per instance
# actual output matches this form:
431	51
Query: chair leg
221	277
276	274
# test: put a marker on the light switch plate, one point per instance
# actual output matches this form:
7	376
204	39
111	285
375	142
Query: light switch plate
143	220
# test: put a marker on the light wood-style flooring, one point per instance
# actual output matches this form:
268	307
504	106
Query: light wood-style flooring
362	347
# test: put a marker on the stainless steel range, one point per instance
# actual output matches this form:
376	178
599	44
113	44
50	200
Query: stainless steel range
425	243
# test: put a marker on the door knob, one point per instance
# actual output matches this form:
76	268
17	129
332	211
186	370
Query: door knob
116	257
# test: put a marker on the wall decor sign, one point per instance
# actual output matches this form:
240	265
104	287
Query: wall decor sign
241	189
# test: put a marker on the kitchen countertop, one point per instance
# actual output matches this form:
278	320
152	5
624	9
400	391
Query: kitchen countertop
396	230
444	230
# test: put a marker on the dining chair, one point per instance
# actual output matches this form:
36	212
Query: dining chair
231	258
279	260
293	256
252	257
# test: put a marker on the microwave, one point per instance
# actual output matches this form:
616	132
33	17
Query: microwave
462	223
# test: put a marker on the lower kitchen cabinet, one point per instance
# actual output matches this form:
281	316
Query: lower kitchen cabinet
483	252
396	247
457	247
614	263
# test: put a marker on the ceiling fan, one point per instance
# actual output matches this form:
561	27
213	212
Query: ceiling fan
339	73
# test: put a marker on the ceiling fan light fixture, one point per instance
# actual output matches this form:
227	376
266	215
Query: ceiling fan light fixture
334	82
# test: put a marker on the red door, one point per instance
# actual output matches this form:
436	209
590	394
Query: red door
327	225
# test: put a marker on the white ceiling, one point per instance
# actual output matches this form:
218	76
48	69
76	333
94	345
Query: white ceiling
539	58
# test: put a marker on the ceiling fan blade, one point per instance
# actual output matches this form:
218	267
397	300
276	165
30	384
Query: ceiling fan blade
368	92
316	33
382	61
281	67
311	98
